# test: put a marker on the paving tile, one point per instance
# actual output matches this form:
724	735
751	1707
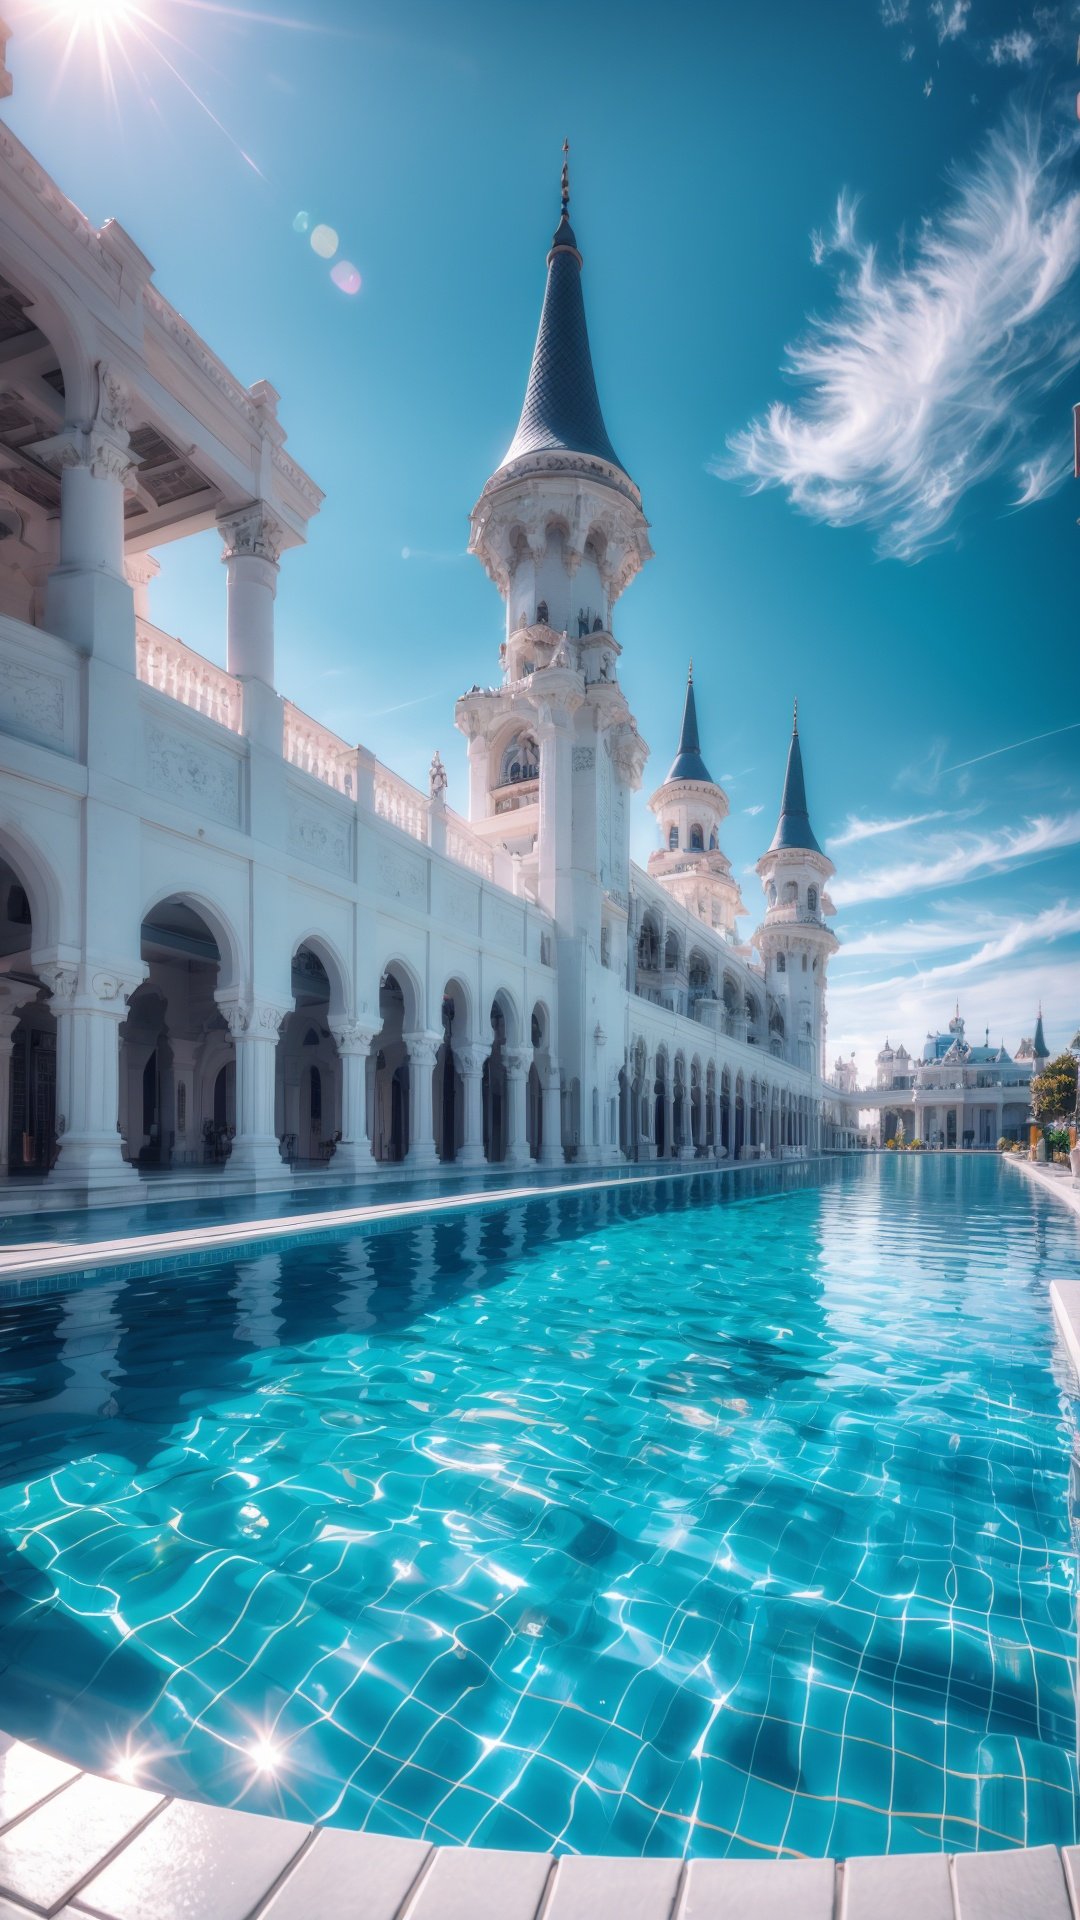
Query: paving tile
349	1876
897	1886
195	1863
1026	1883
759	1890
26	1776
1070	1860
44	1857
591	1889
478	1883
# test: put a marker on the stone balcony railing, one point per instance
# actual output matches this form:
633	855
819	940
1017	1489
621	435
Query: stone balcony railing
404	806
317	751
163	662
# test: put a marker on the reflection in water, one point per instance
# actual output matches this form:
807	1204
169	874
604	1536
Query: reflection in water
646	1520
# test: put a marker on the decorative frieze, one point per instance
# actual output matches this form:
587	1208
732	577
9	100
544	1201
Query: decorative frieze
192	772
320	835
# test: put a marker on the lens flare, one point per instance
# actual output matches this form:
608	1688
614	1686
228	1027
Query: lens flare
301	222
346	276
324	242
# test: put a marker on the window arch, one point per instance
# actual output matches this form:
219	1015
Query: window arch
520	761
781	963
811	899
673	837
697	840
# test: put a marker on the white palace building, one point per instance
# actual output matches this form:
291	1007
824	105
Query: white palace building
235	948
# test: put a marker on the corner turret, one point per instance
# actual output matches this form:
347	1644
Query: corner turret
794	942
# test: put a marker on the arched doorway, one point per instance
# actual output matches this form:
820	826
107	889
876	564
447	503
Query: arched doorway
307	1102
660	1107
28	1141
740	1116
390	1090
177	1063
447	1084
495	1085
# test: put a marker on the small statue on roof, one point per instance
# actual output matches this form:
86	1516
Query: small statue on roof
437	781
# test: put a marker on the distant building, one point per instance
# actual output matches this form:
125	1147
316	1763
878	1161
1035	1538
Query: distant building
957	1094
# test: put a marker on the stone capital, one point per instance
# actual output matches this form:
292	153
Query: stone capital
422	1048
252	533
257	1019
105	455
470	1059
517	1061
351	1036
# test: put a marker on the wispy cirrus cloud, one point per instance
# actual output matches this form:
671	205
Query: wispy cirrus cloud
857	829
987	938
960	858
1003	998
1016	49
926	377
950	18
1042	475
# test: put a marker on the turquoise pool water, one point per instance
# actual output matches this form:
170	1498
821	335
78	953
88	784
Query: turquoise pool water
659	1521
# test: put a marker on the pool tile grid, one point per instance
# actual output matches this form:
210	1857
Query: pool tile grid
75	1846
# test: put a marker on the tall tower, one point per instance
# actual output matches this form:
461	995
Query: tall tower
793	939
690	808
554	750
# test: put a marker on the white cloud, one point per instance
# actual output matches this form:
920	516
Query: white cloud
909	51
1042	475
1004	999
928	374
857	829
894	12
1014	49
758	809
950	17
960	858
998	938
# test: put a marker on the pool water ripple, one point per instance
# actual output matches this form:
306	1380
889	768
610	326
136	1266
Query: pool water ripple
634	1522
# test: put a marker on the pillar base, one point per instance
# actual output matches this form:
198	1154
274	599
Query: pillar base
470	1156
687	1152
256	1156
422	1155
550	1157
93	1163
352	1160
518	1157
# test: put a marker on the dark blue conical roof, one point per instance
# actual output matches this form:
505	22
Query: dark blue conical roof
688	763
1040	1048
562	413
793	829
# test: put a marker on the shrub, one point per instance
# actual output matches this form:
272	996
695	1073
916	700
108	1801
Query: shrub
891	1146
1003	1145
1057	1139
918	1146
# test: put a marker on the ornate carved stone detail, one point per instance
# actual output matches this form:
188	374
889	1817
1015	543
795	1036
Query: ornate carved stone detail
422	1049
199	776
56	204
517	1061
318	835
584	758
111	986
351	1036
259	1018
31	702
252	533
401	876
471	1060
114	409
61	978
197	351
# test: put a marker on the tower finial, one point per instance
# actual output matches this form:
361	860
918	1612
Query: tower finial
795	716
565	177
690	673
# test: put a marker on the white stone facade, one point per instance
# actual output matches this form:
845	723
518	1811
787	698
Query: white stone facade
235	947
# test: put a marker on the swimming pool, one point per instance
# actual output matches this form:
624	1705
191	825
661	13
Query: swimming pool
679	1519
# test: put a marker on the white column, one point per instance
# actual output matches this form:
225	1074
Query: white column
471	1062
140	570
352	1156
555	736
253	540
88	600
254	1025
422	1049
669	1112
516	1061
551	1152
89	1008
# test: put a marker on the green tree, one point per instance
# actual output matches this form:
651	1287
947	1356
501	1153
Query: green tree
1053	1092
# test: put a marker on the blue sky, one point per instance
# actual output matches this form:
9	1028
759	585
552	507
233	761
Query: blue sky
831	269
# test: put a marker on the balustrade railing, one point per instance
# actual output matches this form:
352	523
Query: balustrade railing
467	848
405	807
317	751
163	662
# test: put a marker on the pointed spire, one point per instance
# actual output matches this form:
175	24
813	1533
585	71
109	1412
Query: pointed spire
793	829
688	763
561	413
1039	1046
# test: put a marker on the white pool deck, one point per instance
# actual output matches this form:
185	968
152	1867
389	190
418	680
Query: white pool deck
82	1847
